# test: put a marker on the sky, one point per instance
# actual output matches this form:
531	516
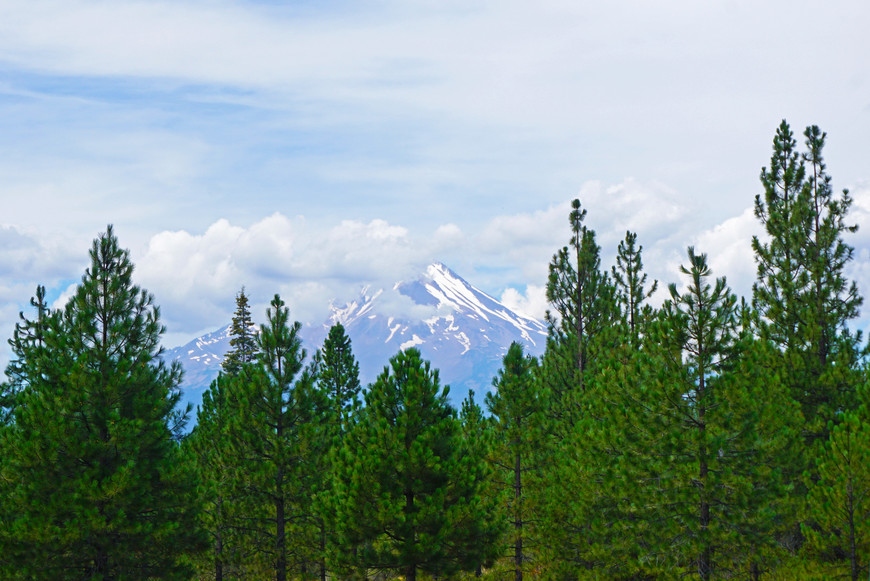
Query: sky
312	149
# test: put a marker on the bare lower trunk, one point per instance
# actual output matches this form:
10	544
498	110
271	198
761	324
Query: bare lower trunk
705	558
322	551
518	522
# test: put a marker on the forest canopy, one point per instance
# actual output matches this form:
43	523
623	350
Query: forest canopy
711	437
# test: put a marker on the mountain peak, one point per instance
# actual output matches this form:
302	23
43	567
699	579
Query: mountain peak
462	330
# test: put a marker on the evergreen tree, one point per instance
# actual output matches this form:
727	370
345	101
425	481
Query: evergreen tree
27	340
584	307
630	280
839	500
478	442
582	298
802	294
587	522
784	215
515	405
99	489
271	435
407	492
209	451
243	344
707	428
337	374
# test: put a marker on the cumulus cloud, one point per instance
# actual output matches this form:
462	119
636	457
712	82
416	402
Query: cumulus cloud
35	256
526	241
196	277
532	303
729	250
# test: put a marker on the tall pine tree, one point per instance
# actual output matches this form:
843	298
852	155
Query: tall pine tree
243	341
98	485
515	405
582	298
630	282
802	293
209	450
337	375
271	435
407	493
583	307
707	428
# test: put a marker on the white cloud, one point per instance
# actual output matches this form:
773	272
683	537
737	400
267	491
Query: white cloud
532	303
26	253
729	250
196	276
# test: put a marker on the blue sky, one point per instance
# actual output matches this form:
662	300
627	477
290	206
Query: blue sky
311	148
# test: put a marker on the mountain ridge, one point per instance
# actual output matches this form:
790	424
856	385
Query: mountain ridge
461	330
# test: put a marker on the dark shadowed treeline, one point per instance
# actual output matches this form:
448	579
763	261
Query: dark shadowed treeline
713	437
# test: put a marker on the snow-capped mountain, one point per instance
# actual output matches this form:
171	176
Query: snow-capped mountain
460	329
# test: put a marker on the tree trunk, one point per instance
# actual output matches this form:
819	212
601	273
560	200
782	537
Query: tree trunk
705	558
280	541
322	551
410	569
853	553
518	522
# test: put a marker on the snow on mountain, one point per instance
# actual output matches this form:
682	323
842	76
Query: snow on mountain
463	331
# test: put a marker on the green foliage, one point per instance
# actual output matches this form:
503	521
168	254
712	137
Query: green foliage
208	449
337	378
582	297
337	373
407	491
802	293
630	284
243	344
272	433
683	444
91	462
839	500
516	407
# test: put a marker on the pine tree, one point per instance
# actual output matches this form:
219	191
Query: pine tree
629	281
27	340
407	494
802	294
839	499
784	215
582	298
243	344
337	375
271	435
516	407
97	480
707	427
208	449
584	307
588	523
478	443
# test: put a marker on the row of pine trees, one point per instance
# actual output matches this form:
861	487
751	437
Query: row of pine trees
712	437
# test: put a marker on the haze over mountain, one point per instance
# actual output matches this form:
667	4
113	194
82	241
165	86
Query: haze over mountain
463	331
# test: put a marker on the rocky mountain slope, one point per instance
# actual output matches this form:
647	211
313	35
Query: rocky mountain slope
463	331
